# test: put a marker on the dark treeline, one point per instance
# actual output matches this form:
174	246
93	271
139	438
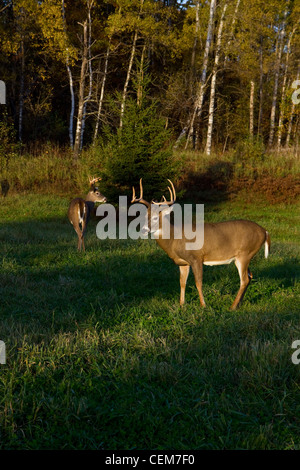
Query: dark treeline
221	72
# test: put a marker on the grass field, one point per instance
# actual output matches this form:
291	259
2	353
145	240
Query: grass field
100	356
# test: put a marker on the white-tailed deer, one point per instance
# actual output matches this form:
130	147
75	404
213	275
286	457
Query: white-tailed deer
80	210
224	242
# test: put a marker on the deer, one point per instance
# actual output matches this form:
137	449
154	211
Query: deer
224	242
80	210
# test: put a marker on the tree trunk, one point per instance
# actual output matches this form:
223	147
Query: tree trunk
196	37
71	119
232	28
102	93
251	106
87	99
275	91
201	86
21	95
261	77
283	90
141	78
290	126
84	63
133	49
213	84
124	95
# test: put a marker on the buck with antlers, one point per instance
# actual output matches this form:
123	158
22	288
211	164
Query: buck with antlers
80	210
224	242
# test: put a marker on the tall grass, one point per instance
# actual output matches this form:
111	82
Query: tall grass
49	168
245	164
52	169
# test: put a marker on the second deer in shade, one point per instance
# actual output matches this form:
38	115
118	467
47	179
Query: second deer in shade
80	210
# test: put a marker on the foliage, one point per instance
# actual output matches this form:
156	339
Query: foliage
250	150
140	149
8	146
38	42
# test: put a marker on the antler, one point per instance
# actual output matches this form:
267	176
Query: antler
93	180
164	201
172	196
141	200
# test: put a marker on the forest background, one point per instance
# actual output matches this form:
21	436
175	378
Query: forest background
198	91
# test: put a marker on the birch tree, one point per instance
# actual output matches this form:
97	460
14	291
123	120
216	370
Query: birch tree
70	76
213	83
90	4
251	108
81	95
101	97
283	89
129	69
202	84
291	116
279	49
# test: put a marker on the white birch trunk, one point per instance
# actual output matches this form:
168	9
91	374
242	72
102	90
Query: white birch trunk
232	28
201	86
133	49
83	71
290	126
261	76
139	97
251	109
72	111
101	94
276	81
124	95
196	37
213	84
71	120
87	99
283	90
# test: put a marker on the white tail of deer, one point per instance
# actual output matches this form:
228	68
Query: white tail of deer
224	242
80	210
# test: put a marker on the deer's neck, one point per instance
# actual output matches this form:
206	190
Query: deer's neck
164	238
90	205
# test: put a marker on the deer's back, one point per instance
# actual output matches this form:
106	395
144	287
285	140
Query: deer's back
233	236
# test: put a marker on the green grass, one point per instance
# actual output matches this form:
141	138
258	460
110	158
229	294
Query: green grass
100	356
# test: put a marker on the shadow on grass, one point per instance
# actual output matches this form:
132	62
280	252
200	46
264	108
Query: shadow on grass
204	377
45	279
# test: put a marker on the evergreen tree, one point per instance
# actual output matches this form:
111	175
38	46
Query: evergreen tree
140	149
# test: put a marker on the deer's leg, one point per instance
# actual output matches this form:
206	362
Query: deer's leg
78	231
245	277
82	242
184	272
197	268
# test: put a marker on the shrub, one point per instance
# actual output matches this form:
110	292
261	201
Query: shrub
249	150
8	146
140	149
